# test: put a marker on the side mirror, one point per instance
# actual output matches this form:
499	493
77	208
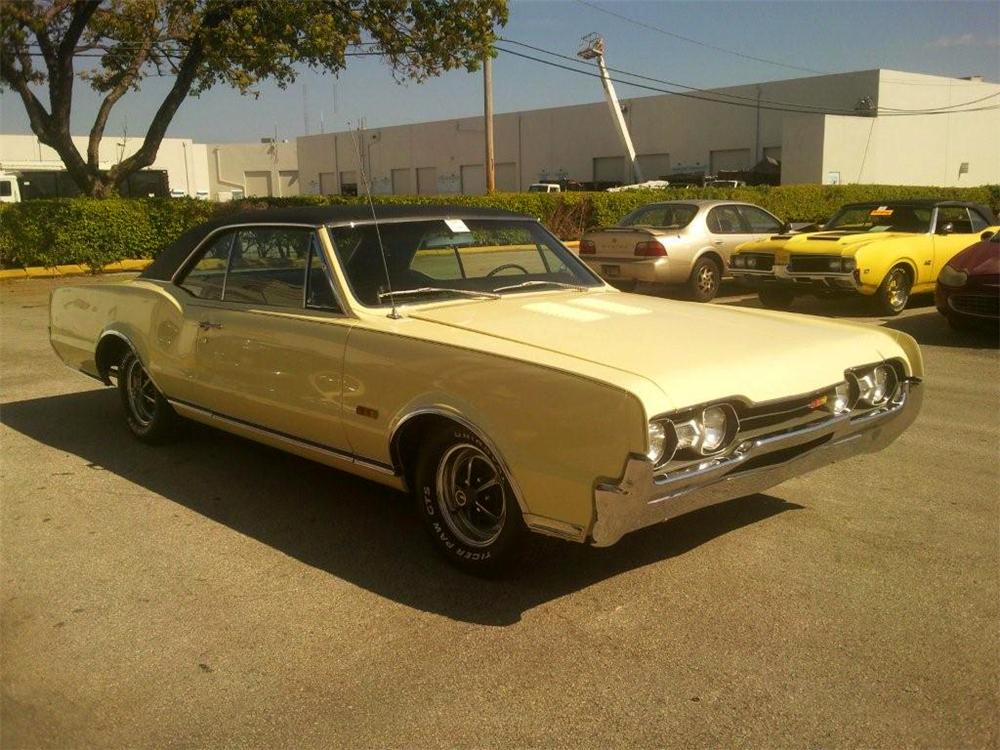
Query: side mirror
987	234
946	228
785	228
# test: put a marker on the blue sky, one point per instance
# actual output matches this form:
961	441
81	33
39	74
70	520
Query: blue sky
944	38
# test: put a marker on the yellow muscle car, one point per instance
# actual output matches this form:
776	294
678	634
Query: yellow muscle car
885	251
467	356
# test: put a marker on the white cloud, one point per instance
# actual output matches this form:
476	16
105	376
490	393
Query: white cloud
964	40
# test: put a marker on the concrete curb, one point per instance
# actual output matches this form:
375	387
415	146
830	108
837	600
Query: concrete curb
48	272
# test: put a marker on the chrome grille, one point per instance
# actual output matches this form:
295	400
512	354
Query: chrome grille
983	305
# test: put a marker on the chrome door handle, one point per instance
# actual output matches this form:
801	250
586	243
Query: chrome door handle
206	324
718	242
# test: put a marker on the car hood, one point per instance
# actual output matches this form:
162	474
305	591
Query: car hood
820	243
981	259
690	352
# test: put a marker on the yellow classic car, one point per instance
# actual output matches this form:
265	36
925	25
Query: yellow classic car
885	251
467	356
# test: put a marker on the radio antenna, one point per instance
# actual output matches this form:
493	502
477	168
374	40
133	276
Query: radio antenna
394	313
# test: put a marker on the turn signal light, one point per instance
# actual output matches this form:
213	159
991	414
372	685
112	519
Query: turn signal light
650	249
587	247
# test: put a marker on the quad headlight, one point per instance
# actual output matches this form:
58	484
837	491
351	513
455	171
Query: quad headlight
703	432
873	386
657	441
738	261
840	401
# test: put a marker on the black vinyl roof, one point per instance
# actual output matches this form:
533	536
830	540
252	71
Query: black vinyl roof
927	203
166	263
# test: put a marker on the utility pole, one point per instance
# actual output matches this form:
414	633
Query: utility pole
593	49
491	185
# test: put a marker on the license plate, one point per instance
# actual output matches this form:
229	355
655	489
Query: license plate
611	270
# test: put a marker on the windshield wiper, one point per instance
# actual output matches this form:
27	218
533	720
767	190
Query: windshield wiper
529	284
435	290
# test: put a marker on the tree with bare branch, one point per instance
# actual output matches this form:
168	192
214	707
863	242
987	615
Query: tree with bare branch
117	44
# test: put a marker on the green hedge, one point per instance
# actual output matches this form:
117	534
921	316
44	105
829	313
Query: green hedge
94	232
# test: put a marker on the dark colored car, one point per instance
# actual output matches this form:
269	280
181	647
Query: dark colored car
968	288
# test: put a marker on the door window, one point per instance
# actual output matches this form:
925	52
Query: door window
319	288
725	220
267	266
978	222
207	277
954	220
760	221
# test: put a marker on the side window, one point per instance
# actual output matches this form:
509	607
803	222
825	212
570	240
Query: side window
725	220
206	279
978	222
760	220
955	219
319	288
267	266
5	189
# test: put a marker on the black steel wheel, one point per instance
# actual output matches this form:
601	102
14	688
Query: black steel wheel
466	501
148	415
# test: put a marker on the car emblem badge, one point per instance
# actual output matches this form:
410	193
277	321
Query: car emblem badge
817	402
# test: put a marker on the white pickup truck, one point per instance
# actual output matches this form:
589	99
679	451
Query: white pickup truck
10	191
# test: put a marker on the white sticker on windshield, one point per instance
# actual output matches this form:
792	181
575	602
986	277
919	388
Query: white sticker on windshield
456	226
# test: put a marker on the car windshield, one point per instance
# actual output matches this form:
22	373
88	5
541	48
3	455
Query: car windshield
673	215
436	259
885	217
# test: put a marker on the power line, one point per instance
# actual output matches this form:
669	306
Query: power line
688	95
815	107
706	45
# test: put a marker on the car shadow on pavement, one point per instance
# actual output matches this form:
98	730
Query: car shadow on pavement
834	307
354	529
931	329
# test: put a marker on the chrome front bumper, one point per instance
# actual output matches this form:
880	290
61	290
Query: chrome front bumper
805	280
642	497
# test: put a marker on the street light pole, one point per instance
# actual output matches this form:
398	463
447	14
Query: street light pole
488	115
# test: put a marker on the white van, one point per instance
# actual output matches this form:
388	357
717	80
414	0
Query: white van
10	191
544	187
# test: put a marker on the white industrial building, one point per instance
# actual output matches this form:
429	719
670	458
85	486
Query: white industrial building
930	130
676	134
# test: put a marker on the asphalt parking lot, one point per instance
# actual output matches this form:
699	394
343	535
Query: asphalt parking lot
217	592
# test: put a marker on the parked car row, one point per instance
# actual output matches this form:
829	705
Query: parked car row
884	251
468	357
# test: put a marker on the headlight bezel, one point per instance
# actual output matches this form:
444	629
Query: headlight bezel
675	425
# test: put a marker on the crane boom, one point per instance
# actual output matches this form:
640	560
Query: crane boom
593	49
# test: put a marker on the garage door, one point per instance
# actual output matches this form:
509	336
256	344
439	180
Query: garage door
328	183
728	160
609	169
427	179
289	182
257	183
401	182
654	166
473	179
506	177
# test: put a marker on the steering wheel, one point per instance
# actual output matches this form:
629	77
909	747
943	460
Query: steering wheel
505	266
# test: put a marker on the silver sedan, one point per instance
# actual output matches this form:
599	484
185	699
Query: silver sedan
684	243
